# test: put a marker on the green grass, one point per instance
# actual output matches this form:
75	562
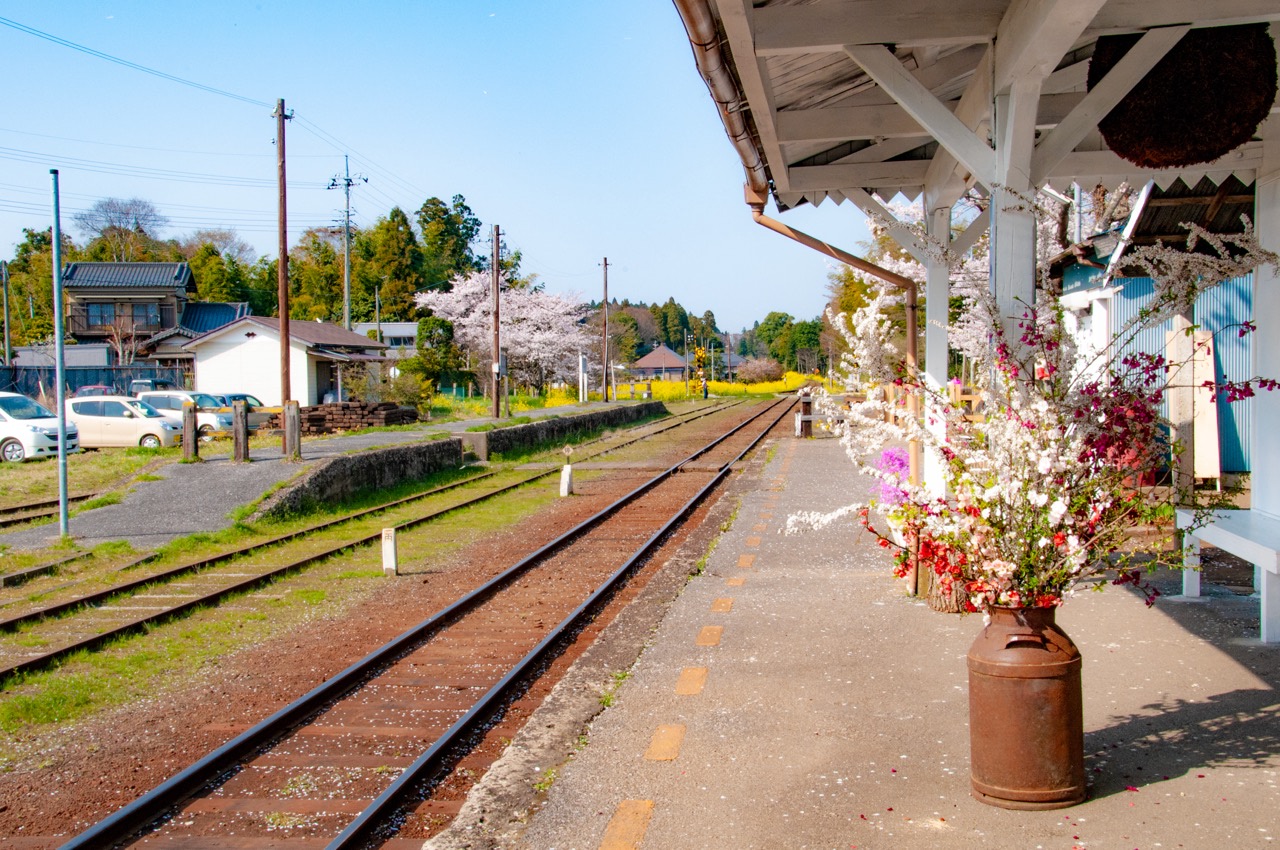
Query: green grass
609	696
101	501
310	597
87	472
147	476
548	779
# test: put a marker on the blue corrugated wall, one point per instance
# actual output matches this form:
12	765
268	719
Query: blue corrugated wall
1218	309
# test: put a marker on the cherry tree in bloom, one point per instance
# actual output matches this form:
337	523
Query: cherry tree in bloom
540	331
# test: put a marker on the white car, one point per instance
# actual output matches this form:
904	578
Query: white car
209	421
118	420
28	429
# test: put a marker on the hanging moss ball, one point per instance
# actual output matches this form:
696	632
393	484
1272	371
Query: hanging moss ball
1206	97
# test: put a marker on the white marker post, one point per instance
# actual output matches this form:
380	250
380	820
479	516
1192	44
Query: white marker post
566	474
390	565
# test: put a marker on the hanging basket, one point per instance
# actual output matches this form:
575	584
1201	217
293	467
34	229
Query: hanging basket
1205	98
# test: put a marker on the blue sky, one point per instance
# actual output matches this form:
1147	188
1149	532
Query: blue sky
582	128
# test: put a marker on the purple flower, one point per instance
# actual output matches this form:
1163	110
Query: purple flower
894	462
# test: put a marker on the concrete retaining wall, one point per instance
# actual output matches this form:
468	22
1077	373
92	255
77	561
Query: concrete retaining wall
525	437
339	478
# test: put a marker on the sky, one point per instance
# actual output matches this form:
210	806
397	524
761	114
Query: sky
581	127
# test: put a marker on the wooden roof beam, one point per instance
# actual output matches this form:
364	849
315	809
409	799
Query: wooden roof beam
827	27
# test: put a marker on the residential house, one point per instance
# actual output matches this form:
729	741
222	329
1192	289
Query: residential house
110	301
244	356
661	364
401	338
1102	295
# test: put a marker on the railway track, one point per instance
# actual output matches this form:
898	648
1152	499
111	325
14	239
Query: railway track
19	514
89	621
350	763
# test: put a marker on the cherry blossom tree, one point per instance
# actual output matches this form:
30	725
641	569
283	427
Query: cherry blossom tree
541	332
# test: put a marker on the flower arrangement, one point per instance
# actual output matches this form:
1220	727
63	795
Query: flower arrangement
1043	487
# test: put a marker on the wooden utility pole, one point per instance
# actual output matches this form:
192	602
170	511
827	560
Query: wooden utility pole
604	342
497	338
282	267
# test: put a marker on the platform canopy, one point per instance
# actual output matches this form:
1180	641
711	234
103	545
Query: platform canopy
828	98
863	100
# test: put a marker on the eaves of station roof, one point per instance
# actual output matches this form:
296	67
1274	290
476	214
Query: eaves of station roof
793	82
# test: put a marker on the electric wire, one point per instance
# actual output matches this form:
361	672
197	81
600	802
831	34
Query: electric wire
127	64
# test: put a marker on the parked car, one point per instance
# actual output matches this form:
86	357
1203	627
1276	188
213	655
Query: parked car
209	420
28	429
259	414
146	385
94	389
118	420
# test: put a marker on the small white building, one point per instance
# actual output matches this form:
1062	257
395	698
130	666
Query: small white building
244	356
401	338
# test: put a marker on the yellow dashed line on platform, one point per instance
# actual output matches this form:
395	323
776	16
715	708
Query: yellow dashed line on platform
723	605
691	681
759	526
710	635
665	745
736	582
746	561
766	516
627	827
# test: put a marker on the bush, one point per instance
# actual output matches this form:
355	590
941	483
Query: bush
760	369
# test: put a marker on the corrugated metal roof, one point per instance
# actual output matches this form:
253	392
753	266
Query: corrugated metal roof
312	333
140	275
203	316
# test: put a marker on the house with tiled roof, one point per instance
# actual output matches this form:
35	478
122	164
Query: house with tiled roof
140	299
244	356
661	364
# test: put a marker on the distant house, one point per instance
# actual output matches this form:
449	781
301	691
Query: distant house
661	364
244	356
401	338
1101	296
105	300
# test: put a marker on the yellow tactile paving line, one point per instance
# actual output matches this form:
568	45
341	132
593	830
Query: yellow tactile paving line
665	744
691	682
630	821
710	635
627	826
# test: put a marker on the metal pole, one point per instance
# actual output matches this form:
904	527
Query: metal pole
346	248
4	280
497	338
604	343
282	270
58	366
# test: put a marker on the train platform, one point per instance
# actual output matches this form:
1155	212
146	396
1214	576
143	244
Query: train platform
793	697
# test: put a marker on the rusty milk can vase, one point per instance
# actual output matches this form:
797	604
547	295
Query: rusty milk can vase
1026	724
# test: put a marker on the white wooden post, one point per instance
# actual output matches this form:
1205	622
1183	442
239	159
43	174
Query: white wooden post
937	307
390	561
1013	223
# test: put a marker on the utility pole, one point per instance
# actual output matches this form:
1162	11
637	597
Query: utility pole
497	338
282	268
59	369
345	181
4	281
604	342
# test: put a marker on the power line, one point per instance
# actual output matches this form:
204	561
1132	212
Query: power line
126	63
159	150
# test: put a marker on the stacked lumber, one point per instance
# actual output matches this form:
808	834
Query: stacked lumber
348	416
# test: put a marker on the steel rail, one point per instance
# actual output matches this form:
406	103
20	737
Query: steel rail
428	766
60	608
146	809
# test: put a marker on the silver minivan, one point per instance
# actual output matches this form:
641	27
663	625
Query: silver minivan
209	421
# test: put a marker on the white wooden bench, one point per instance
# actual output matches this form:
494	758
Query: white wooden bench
1247	534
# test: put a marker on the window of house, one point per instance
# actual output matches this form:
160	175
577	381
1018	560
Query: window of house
101	315
146	315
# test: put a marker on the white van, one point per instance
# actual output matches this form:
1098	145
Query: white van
118	420
28	429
